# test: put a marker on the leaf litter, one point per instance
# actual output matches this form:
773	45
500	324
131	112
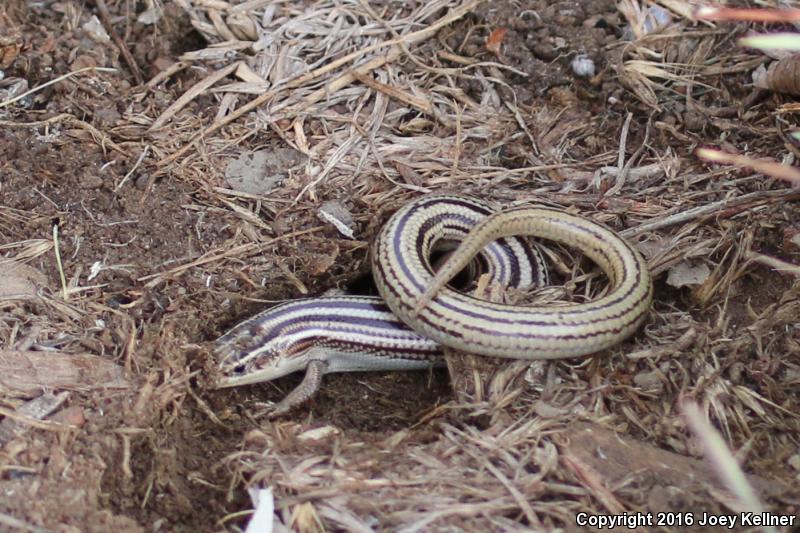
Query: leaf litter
386	102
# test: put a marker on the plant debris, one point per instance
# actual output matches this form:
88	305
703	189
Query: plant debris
129	244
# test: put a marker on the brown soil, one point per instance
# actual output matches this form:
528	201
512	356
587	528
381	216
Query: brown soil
151	456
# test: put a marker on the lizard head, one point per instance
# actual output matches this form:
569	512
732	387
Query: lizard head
253	352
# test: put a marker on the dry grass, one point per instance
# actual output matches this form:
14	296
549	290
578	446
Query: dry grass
375	100
512	474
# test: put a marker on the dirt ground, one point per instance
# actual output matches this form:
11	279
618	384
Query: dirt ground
146	246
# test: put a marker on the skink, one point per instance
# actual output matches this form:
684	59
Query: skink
339	334
408	286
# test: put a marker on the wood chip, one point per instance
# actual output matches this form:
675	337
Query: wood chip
617	457
29	372
18	280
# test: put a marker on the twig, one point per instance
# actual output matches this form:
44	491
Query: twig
105	17
623	144
243	248
720	457
624	170
773	262
16	524
35	409
167	73
65	292
133	169
101	138
38	424
55	80
194	91
593	481
703	210
420	104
